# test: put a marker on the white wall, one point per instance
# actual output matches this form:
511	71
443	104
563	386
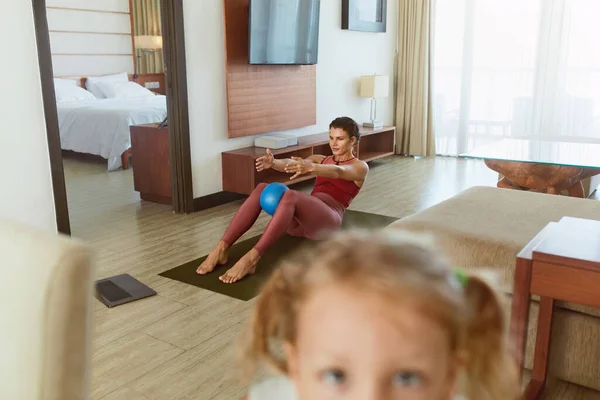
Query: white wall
25	163
343	57
90	37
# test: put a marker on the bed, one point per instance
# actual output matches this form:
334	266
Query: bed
92	123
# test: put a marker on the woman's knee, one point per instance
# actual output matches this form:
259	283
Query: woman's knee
260	187
289	197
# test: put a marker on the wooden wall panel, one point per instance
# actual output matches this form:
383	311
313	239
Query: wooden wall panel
91	65
65	20
105	5
90	43
90	38
263	98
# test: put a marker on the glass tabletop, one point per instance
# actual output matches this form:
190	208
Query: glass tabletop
576	154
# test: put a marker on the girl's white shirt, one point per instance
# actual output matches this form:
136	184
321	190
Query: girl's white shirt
281	388
275	388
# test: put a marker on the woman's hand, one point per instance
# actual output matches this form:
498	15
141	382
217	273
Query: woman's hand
265	162
299	167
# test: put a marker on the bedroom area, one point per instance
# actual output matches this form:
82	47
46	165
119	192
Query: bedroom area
110	92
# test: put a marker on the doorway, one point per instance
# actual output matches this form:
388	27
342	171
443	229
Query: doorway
173	61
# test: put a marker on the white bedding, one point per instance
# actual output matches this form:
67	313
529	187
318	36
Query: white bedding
101	126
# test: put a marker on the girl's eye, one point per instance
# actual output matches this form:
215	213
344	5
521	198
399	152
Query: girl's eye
333	377
408	379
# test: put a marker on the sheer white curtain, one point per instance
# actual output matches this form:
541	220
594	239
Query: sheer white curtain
515	68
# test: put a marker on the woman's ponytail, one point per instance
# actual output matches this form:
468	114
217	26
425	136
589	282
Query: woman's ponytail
491	371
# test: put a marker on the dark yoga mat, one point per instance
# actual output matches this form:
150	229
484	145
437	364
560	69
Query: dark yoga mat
248	287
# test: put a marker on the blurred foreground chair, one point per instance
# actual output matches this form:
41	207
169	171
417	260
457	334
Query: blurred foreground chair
46	294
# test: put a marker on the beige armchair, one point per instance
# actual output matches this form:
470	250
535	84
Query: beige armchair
46	294
488	227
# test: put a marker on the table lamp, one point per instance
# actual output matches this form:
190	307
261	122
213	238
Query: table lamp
374	86
147	44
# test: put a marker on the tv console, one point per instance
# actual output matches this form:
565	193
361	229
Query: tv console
239	171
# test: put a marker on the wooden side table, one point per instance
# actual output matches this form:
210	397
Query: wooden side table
561	263
551	179
239	172
151	163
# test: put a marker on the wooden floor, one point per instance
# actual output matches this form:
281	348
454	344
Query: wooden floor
180	344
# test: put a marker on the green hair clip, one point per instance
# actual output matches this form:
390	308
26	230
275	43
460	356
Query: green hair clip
462	276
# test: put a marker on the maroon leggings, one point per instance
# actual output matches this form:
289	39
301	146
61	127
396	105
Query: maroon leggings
298	214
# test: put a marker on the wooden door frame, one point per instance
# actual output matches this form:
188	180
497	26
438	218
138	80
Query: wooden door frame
177	105
177	110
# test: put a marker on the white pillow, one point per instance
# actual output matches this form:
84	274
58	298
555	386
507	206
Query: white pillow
92	82
72	93
123	90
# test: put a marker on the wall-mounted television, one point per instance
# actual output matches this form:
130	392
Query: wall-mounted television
283	31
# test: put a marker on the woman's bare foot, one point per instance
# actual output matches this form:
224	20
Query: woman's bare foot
246	265
217	257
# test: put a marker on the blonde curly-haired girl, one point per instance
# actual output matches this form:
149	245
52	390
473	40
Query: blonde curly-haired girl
379	315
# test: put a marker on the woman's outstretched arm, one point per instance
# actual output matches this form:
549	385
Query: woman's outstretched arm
269	161
357	171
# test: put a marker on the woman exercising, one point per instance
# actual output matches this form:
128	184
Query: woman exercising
339	179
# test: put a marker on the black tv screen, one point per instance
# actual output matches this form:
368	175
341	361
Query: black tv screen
284	31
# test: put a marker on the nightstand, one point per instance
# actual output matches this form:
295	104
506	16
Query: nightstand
151	162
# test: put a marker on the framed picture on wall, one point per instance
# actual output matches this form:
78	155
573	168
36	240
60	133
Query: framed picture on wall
364	15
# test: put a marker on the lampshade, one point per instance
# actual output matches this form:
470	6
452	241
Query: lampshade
373	86
147	42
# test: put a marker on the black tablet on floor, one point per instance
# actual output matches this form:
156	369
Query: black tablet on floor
121	289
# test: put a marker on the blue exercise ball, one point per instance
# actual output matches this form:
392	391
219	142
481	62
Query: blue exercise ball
271	195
